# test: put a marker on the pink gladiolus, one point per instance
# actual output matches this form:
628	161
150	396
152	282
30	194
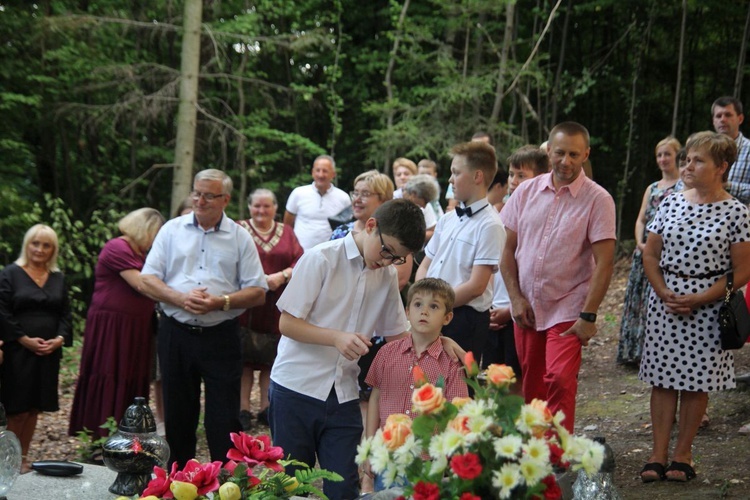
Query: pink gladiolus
255	451
204	476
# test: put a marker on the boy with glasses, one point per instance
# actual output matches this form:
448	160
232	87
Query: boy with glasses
341	293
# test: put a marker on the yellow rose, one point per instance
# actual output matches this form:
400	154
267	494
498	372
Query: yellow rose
460	424
541	406
458	402
291	485
230	491
397	429
428	399
184	491
501	376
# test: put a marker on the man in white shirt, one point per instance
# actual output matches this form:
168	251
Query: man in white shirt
309	207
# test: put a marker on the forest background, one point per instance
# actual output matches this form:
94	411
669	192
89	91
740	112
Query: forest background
90	92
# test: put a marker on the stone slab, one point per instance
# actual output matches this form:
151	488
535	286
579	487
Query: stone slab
91	484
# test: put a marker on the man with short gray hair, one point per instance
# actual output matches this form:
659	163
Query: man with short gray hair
309	207
205	271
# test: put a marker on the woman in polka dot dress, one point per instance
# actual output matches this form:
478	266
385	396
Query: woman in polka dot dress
696	237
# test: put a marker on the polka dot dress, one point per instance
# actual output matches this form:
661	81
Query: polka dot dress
683	352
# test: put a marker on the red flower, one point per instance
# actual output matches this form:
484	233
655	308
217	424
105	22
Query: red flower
470	365
466	466
255	451
552	490
469	496
426	491
555	455
204	476
159	486
420	378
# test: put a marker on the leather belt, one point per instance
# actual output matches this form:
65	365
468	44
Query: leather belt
199	330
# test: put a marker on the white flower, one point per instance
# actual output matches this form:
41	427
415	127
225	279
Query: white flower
507	478
477	408
576	447
537	449
508	446
479	423
533	471
379	458
405	454
389	476
452	440
438	465
530	418
436	448
592	457
363	450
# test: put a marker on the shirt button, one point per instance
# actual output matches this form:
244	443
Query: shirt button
407	412
411	386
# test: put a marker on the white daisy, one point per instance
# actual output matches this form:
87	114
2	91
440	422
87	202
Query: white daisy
533	471
537	449
508	446
506	479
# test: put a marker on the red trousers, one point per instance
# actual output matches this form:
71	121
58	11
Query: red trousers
550	364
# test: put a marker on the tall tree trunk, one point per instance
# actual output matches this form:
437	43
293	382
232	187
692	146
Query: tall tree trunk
741	62
676	108
389	83
187	112
560	63
507	40
624	182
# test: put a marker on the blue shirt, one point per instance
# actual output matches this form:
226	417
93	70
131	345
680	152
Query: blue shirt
222	259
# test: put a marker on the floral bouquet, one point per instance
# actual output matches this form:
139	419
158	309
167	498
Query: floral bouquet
255	471
491	446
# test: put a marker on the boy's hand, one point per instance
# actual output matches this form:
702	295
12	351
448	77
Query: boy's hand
452	349
352	345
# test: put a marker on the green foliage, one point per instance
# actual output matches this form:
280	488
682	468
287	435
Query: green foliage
89	449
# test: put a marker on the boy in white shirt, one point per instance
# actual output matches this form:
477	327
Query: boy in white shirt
341	293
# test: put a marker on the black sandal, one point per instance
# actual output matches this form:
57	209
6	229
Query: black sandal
683	467
653	467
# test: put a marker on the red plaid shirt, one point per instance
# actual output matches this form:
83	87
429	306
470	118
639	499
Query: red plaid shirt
391	374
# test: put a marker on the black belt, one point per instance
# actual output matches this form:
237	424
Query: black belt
200	329
704	276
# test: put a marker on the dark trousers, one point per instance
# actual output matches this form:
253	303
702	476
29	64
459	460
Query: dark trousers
306	427
186	358
501	349
469	328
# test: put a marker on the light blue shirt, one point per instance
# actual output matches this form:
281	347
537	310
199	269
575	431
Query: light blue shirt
222	259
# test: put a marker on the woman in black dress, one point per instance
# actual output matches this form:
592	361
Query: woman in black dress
36	322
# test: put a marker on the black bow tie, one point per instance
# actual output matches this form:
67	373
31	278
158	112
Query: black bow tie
464	211
467	211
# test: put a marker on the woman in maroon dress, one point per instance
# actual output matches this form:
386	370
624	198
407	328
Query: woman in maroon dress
117	342
279	251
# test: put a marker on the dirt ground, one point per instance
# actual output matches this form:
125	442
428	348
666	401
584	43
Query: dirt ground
612	402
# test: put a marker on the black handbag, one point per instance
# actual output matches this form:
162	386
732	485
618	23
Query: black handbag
734	318
343	217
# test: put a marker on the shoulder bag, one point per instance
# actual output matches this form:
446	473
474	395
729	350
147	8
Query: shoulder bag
734	318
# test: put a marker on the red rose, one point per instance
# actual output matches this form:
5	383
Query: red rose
426	491
159	486
552	490
466	466
255	451
469	496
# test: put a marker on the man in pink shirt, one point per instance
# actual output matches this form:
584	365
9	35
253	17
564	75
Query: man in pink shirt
557	264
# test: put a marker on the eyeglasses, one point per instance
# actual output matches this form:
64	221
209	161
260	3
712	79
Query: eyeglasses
360	194
196	195
387	254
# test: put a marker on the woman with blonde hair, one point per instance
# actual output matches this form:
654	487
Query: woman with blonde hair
118	339
36	323
403	169
633	323
696	239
